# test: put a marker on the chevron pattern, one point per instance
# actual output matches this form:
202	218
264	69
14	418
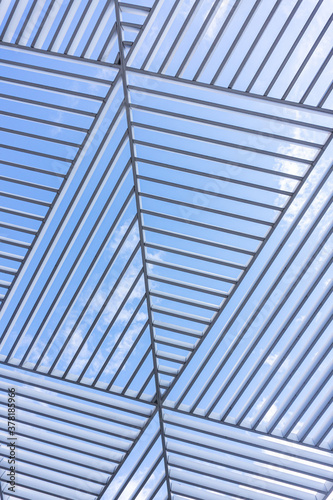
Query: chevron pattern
166	249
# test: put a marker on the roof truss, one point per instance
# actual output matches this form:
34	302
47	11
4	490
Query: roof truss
166	248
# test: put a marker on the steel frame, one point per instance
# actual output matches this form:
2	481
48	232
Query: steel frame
160	170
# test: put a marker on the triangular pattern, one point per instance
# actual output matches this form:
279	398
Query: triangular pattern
87	332
270	370
40	140
247	180
167	172
132	17
142	475
72	441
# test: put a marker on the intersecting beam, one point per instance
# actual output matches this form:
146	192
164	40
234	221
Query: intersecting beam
159	403
291	229
57	200
282	439
58	55
306	107
76	384
137	199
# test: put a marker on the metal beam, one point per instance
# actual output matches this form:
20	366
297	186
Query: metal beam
132	149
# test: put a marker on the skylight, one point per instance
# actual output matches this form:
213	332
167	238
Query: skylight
166	249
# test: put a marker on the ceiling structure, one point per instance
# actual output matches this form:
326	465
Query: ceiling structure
166	248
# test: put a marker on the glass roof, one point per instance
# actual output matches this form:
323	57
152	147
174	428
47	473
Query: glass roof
166	249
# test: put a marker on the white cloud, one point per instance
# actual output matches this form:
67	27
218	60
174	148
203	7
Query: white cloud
131	486
270	413
301	198
271	359
131	240
217	20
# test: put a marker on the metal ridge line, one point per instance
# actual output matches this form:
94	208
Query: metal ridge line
128	116
276	100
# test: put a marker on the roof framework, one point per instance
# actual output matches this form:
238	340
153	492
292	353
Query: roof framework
166	248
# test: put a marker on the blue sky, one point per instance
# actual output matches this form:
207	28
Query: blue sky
212	171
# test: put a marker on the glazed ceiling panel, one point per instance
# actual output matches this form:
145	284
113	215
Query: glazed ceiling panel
166	248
